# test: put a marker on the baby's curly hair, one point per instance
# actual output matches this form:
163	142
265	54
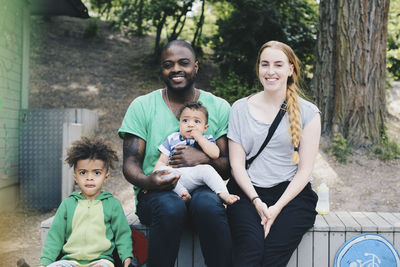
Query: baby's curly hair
91	148
195	105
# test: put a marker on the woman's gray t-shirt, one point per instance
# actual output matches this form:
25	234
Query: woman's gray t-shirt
273	165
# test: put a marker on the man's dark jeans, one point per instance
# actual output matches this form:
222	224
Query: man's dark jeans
166	214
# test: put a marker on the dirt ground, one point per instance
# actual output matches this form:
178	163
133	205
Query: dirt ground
105	74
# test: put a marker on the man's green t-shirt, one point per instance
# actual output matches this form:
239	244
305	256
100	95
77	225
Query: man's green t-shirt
149	118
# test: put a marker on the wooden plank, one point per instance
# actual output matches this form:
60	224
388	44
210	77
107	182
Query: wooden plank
396	240
26	30
397	215
198	259
336	239
366	224
44	229
185	253
13	132
320	224
394	219
336	234
335	224
391	219
321	249
293	260
352	227
305	251
382	224
385	229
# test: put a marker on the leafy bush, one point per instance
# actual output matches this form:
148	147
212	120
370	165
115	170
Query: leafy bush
393	48
341	148
231	88
387	149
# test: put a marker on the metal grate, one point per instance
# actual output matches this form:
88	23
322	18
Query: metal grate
41	150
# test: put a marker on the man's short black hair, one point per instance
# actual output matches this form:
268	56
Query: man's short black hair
196	105
179	43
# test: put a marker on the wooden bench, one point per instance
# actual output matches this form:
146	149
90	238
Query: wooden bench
317	248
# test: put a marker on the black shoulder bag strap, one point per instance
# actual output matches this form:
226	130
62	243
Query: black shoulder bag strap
271	132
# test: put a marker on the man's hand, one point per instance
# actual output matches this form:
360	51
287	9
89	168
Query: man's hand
188	156
157	183
134	149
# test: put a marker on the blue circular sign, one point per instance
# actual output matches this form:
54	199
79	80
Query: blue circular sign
367	250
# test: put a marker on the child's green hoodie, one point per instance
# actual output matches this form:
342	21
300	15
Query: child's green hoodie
85	231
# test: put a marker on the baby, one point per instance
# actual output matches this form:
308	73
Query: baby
193	119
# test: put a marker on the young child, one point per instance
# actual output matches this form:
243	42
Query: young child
193	119
88	226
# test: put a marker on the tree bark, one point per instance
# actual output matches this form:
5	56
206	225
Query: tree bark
351	92
323	82
139	21
160	26
175	32
199	27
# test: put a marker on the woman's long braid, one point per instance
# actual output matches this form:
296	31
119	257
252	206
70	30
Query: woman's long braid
293	110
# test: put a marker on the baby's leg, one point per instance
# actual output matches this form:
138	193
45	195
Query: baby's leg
205	174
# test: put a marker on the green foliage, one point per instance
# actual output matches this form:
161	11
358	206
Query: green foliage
91	29
102	7
386	149
393	49
249	23
341	148
231	88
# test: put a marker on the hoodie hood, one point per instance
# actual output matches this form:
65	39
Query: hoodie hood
103	195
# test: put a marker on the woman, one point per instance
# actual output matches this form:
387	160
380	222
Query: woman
277	204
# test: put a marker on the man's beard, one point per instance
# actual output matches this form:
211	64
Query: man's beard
188	85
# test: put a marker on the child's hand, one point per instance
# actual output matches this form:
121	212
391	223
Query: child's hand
186	196
127	262
196	134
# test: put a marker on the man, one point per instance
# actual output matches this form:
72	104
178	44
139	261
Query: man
148	121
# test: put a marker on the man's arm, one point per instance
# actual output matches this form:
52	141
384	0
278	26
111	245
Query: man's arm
133	155
187	156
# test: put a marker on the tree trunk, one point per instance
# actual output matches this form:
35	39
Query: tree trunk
199	27
323	83
175	32
139	21
349	81
160	26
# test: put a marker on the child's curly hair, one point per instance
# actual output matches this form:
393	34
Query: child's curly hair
91	148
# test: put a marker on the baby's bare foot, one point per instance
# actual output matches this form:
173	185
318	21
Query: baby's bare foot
186	196
228	198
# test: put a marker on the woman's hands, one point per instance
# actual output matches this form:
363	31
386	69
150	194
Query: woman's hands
267	214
